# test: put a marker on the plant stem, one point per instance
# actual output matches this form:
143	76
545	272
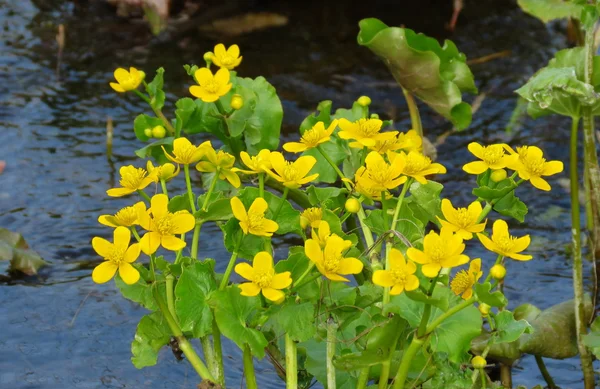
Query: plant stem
335	167
218	353
156	111
484	212
399	204
427	311
384	376
209	354
188	184
261	185
363	378
506	376
407	358
384	211
144	195
184	344
415	118
195	239
163	185
170	298
303	275
580	319
331	341
283	198
231	263
291	363
547	377
213	183
483	380
457	308
386	290
249	369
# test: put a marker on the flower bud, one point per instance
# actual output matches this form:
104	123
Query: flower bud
364	101
148	132
374	116
237	102
159	132
376	265
142	74
484	309
208	56
498	175
478	362
498	272
352	205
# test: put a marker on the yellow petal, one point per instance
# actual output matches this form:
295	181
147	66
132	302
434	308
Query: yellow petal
203	76
119	192
448	211
487	243
540	183
121	237
278	162
259	206
206	167
499	229
313	251
150	242
431	270
129	274
117	87
295	147
183	222
222	76
224	89
143	217
233	51
104	272
335	277
474	210
281	280
304	164
350	266
397	289
238	209
383	278
249	289
270	226
197	91
552	167
245	270
263	261
172	243
476	149
521	244
273	294
107	220
121	75
397	260
220	50
132	253
412	283
476	167
417	256
519	257
159	204
103	247
231	177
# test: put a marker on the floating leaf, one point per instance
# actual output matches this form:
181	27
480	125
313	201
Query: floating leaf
438	75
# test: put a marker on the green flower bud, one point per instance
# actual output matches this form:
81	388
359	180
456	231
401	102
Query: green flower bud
365	101
374	116
484	309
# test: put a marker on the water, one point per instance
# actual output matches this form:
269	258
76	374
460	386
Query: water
60	330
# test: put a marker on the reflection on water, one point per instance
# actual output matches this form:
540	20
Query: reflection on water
61	330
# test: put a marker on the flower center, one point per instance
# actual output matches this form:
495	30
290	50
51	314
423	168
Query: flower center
437	252
164	225
185	153
126	216
462	217
312	137
493	154
533	164
116	255
132	177
224	159
256	221
227	60
380	173
212	86
263	279
461	282
331	262
505	243
368	127
313	214
415	163
399	276
290	173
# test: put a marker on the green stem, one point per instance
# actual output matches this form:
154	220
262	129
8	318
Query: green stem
365	229
335	167
580	319
384	376
249	369
399	204
157	112
188	184
218	353
407	358
363	378
261	185
144	195
163	185
283	198
195	240
386	290
231	264
311	279
457	308
484	212
291	363
311	265
135	233
427	311
386	218
184	344
547	377
170	298
331	341
209	354
483	380
415	118
213	183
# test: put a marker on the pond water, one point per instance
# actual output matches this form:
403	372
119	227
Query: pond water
60	330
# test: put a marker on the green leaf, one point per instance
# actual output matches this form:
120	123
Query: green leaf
335	150
454	335
438	75
155	90
154	150
15	249
151	335
295	320
592	340
232	312
495	299
141	291
427	197
508	329
251	244
510	205
179	203
297	263
547	10
142	122
191	292
262	129
196	116
288	218
493	190
417	295
328	197
323	114
219	210
359	360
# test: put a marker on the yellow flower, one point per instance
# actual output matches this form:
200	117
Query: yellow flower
439	250
220	162
378	175
117	255
311	217
227	58
263	278
132	179
321	233
163	226
331	261
184	152
311	138
211	87
463	281
504	244
292	174
254	221
492	157
364	131
462	221
257	164
126	217
400	276
417	165
370	192
164	172
531	165
410	141
127	80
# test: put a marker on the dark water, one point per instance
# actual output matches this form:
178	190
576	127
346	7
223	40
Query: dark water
59	329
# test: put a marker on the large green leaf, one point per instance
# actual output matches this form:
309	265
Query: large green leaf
438	75
191	293
232	311
547	10
151	335
155	90
141	291
295	320
508	329
336	152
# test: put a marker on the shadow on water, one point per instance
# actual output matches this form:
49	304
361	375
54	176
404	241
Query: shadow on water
60	329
